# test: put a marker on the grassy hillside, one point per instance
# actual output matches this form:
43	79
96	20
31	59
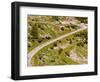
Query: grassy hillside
44	28
71	50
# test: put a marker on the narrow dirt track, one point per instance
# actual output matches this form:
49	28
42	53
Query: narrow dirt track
35	50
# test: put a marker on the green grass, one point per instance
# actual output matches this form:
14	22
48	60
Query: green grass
50	56
53	57
52	28
54	54
81	51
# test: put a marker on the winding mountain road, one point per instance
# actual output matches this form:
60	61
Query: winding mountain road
35	50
